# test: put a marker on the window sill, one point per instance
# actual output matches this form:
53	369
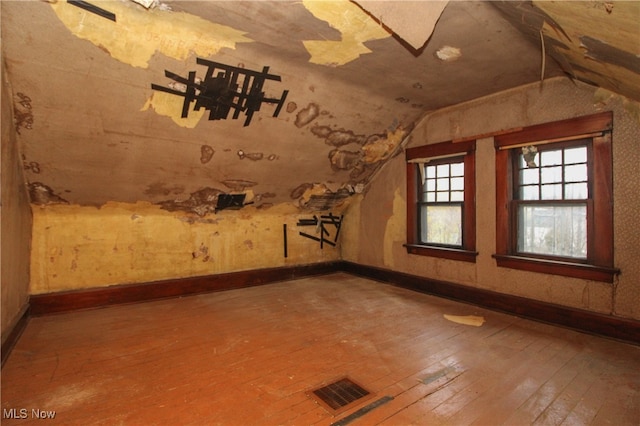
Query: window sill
554	267
442	252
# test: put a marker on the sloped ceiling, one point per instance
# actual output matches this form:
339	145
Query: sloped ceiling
359	77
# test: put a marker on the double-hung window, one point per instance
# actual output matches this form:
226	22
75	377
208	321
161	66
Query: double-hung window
554	198
441	200
551	200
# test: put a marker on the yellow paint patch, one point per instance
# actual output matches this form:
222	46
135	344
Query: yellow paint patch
78	247
466	320
138	34
381	149
354	24
171	106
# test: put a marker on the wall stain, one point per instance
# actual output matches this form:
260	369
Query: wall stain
41	194
307	115
238	184
291	106
162	189
203	251
33	167
206	153
344	160
337	137
300	190
23	114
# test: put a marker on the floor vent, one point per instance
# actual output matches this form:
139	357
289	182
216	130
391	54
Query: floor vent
340	395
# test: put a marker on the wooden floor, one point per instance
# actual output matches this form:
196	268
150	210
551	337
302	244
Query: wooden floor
250	356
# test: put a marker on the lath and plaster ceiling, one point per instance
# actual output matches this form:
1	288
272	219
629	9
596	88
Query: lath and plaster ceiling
359	76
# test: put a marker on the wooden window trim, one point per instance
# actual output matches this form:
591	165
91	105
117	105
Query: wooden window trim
599	265
466	149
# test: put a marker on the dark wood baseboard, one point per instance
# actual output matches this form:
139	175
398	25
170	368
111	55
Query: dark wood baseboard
44	304
14	335
577	319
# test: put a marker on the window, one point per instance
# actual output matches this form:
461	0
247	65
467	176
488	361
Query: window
554	198
441	204
441	200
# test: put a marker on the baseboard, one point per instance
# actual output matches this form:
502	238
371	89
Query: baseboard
14	335
585	321
44	304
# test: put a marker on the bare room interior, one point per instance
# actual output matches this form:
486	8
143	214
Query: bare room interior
320	212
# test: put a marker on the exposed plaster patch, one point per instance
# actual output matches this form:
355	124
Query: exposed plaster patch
448	53
139	34
200	202
307	115
22	110
355	26
206	153
41	194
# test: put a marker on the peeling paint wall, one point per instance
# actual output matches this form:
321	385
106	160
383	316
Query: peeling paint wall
16	220
84	247
376	238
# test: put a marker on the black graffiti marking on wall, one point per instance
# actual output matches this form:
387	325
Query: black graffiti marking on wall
322	226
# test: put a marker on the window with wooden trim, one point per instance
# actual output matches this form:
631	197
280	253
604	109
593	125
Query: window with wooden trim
441	200
554	205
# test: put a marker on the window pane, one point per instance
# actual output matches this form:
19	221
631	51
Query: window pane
551	174
457	169
575	173
443	170
529	193
443	184
550	158
576	191
431	171
457	184
529	176
442	197
575	155
457	195
430	185
553	230
441	224
551	192
430	197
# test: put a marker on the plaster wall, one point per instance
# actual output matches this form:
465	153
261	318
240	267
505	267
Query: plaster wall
376	222
16	221
76	247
